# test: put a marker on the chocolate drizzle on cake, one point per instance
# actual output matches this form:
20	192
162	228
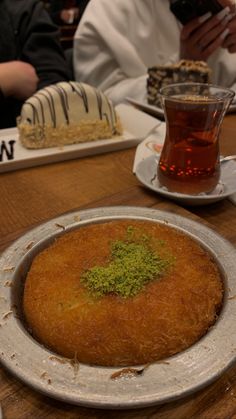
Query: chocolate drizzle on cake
64	101
35	116
51	107
112	114
79	89
41	110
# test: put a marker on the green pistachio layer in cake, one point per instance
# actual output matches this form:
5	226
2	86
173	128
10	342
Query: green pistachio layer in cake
67	113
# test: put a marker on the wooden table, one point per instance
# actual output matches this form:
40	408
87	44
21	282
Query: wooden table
32	196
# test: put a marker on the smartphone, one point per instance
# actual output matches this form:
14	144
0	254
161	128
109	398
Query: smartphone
186	10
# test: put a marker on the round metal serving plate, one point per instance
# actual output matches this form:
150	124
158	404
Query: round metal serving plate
91	386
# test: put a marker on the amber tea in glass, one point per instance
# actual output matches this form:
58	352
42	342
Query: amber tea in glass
189	161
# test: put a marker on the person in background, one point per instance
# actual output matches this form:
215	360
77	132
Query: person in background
31	56
67	11
117	41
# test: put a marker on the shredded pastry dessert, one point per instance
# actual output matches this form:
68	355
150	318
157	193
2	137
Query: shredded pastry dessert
122	292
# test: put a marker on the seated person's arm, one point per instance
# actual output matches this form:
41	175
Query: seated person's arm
18	79
201	37
39	44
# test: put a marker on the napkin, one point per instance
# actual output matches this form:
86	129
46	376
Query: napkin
152	144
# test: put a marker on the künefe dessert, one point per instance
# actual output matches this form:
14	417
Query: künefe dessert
182	71
123	292
67	113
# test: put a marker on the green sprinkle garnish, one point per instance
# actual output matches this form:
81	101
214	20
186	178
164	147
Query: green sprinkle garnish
132	265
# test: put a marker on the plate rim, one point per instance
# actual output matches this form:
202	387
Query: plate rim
193	199
155	110
145	107
127	394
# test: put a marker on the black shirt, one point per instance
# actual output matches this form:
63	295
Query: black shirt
28	34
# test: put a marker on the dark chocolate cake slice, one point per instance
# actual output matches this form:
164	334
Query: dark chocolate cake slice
180	72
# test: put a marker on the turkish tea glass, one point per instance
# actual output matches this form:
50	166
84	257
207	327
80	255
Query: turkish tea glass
190	159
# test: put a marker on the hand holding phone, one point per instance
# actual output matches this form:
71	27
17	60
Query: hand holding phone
186	10
200	39
229	42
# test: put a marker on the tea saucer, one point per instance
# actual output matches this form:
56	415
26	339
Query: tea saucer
146	172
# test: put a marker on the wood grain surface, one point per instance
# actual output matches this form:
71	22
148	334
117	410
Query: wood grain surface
32	196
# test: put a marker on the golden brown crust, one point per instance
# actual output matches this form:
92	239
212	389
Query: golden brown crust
166	317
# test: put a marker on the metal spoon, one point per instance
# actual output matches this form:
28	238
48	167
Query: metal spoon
227	158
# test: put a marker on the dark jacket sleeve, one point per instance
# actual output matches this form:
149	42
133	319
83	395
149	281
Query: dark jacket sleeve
38	41
55	7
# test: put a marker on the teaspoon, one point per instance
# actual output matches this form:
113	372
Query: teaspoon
227	158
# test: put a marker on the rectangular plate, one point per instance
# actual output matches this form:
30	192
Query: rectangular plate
20	157
145	107
158	112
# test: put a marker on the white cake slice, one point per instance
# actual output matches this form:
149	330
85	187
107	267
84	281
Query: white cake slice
67	113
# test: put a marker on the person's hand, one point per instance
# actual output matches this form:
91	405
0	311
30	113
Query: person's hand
202	36
228	3
69	15
230	40
18	79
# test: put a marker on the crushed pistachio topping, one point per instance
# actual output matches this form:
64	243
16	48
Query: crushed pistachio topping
131	266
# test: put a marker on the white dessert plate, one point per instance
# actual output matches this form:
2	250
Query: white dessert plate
14	156
158	112
146	172
90	386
